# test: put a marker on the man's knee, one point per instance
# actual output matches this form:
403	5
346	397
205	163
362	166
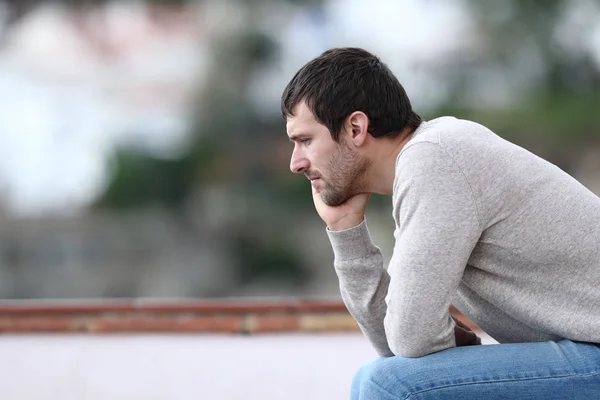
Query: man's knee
363	373
382	379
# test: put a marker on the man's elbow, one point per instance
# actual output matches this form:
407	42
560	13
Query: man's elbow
415	343
411	349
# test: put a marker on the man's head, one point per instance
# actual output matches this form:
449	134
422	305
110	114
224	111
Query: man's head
335	106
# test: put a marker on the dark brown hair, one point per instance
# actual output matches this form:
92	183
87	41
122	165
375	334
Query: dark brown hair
344	80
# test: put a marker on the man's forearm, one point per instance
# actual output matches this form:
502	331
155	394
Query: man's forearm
363	282
366	303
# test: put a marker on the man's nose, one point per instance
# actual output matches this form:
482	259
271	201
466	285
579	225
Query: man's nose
298	164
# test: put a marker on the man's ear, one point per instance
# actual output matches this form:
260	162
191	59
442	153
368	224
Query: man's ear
357	124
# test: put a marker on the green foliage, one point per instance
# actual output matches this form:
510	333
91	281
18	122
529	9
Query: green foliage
269	256
379	202
512	29
293	192
141	180
551	119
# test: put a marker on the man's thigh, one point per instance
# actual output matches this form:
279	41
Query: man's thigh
547	370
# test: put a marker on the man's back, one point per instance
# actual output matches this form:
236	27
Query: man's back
534	273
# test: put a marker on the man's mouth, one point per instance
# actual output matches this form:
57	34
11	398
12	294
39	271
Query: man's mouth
313	180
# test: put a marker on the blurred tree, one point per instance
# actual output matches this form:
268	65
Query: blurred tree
140	180
230	148
267	257
516	31
553	85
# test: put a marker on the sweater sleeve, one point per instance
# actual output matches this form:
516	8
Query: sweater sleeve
404	311
363	282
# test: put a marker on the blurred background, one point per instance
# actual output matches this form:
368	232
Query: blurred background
143	154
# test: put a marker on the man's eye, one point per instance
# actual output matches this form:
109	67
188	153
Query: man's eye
305	141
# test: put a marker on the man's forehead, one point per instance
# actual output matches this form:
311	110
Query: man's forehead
302	117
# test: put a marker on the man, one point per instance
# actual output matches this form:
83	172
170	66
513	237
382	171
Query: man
506	237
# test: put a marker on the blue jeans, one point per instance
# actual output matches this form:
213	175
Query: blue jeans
522	371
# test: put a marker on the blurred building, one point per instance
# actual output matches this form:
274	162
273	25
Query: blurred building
76	83
144	254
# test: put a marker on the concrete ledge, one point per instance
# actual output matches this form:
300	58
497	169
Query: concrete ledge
236	316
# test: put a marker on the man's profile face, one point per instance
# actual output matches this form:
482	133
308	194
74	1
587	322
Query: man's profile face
336	170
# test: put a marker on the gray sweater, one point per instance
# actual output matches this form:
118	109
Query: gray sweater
506	237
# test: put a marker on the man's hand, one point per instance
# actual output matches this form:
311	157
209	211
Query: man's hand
464	335
345	216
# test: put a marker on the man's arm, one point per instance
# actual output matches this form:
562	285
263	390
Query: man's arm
437	229
366	278
363	282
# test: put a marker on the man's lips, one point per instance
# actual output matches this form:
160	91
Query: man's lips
313	180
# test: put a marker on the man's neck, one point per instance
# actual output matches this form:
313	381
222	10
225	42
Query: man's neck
382	172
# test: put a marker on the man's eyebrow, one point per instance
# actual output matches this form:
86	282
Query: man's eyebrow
295	137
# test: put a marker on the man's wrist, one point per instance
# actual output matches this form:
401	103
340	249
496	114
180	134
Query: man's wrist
346	223
352	243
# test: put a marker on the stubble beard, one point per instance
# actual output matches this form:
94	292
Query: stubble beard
346	175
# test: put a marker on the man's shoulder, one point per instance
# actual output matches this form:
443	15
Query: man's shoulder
451	147
446	130
459	138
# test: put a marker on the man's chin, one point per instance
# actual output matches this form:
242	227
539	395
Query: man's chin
332	200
